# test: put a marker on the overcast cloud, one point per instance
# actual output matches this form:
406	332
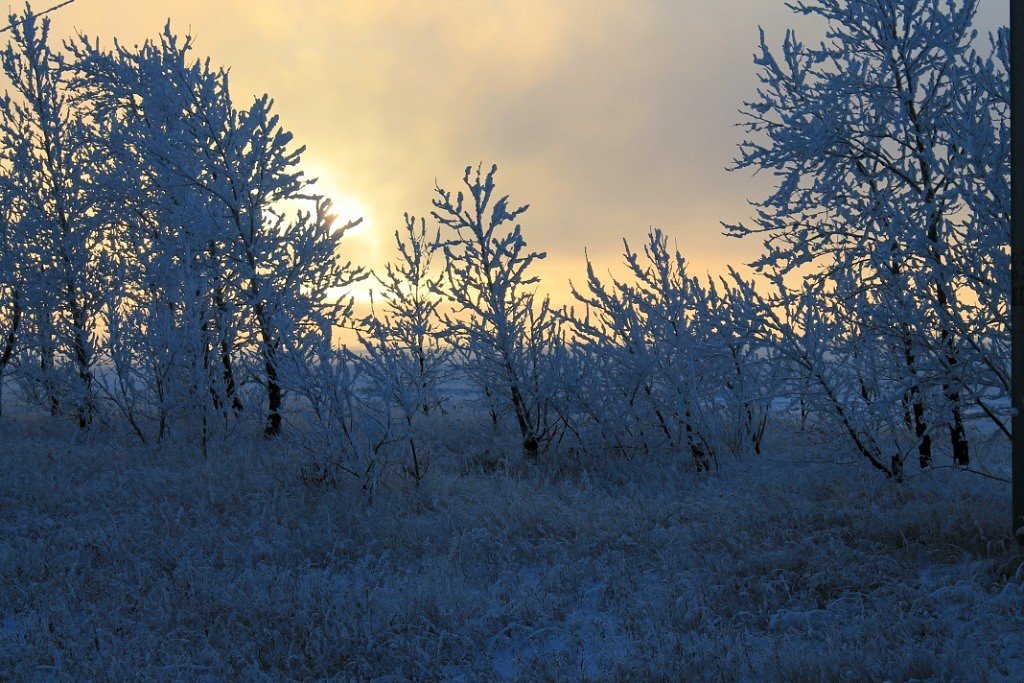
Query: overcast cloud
607	117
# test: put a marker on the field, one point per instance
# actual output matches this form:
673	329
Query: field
119	562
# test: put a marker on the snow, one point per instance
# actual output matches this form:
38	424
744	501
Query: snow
119	562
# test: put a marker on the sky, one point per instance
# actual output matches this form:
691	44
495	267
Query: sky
607	117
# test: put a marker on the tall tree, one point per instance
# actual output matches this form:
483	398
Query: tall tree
869	157
226	182
175	275
59	172
13	268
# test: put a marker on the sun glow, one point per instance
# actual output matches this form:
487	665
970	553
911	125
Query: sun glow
363	239
363	244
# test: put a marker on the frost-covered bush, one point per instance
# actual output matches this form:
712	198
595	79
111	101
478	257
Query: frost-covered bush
847	379
406	361
666	362
746	364
343	431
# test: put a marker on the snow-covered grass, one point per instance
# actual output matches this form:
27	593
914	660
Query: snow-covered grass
121	563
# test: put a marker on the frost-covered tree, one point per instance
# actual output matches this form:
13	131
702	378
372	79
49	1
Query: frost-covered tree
223	185
410	314
498	321
172	320
58	172
12	280
871	137
297	289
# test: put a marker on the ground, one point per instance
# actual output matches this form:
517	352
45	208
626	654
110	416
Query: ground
123	562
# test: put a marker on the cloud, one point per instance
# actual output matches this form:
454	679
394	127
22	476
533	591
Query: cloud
607	116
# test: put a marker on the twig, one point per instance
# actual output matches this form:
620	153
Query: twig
993	477
843	463
40	14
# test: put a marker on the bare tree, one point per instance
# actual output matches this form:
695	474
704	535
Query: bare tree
487	276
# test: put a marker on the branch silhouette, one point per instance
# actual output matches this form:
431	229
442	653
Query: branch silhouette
43	13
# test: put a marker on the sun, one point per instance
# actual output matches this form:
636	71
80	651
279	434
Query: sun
349	209
346	206
364	244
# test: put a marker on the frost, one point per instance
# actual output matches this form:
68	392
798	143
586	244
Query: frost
152	563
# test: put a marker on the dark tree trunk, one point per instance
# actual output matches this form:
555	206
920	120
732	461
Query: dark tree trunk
85	409
228	375
924	439
915	404
958	436
417	473
222	346
46	365
697	450
273	427
957	432
9	341
531	444
914	398
270	346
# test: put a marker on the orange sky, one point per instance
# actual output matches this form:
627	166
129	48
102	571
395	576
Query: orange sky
606	116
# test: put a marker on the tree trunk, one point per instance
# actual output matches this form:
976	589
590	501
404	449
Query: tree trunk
924	439
228	375
697	450
85	408
223	348
417	474
47	363
914	397
9	341
957	431
916	413
958	435
531	445
270	345
273	427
